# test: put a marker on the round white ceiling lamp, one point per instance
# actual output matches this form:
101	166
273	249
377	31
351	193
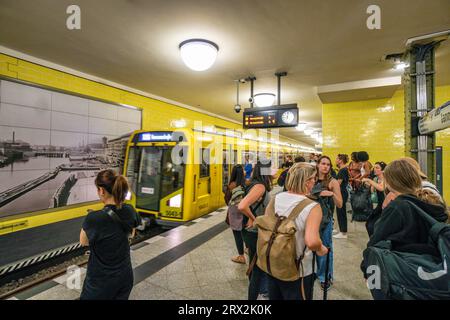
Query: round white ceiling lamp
264	99
198	54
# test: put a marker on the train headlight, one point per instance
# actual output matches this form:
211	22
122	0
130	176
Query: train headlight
175	202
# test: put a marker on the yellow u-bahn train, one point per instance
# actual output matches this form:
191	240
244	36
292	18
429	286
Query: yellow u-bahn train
177	176
170	183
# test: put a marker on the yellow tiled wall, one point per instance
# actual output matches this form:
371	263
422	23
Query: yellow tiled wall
377	126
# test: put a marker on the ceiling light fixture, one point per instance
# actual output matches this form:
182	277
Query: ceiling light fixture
198	54
264	99
400	66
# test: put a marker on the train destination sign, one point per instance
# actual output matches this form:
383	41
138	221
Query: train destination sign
163	136
271	117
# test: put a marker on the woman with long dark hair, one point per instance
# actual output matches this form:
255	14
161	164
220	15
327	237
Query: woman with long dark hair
343	179
234	217
253	205
106	232
328	193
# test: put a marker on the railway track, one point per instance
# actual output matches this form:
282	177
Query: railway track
28	277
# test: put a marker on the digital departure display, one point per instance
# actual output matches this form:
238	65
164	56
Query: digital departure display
271	117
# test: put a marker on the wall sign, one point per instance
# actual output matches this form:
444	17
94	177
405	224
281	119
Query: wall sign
435	120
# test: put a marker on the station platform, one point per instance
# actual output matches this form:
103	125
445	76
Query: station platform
193	262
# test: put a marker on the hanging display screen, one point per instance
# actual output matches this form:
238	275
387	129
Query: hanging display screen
271	117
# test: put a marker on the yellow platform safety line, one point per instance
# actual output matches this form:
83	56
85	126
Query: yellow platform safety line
41	218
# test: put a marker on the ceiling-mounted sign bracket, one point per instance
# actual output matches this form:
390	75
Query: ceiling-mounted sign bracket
252	83
279	75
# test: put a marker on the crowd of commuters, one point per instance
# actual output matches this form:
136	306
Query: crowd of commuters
298	220
394	191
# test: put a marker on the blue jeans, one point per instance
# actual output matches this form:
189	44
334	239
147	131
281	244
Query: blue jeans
327	240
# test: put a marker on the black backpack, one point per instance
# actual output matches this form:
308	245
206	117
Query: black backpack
413	276
326	205
361	203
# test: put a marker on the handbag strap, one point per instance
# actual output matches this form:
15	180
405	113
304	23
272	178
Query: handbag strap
125	227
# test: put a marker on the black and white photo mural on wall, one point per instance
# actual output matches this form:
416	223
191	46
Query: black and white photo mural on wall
53	144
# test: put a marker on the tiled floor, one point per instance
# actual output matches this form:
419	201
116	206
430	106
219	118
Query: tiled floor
193	262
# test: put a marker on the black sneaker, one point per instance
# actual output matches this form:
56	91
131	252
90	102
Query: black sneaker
327	286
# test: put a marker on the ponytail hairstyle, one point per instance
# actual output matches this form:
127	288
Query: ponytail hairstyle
116	185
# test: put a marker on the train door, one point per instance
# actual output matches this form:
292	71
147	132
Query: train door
227	165
229	160
204	183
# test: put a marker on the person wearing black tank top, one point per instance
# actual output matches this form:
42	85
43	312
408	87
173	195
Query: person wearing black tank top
329	195
109	271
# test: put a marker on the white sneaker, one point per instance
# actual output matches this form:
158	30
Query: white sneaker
335	231
340	235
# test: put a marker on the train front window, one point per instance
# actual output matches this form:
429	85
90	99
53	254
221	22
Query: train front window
172	174
157	177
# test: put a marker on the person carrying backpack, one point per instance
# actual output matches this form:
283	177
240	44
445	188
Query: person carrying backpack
286	255
253	205
327	191
408	241
233	195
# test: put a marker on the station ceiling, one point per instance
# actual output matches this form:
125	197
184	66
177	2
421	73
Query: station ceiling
135	43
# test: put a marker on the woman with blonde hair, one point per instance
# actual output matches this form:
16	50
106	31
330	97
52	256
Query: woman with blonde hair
300	181
400	223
